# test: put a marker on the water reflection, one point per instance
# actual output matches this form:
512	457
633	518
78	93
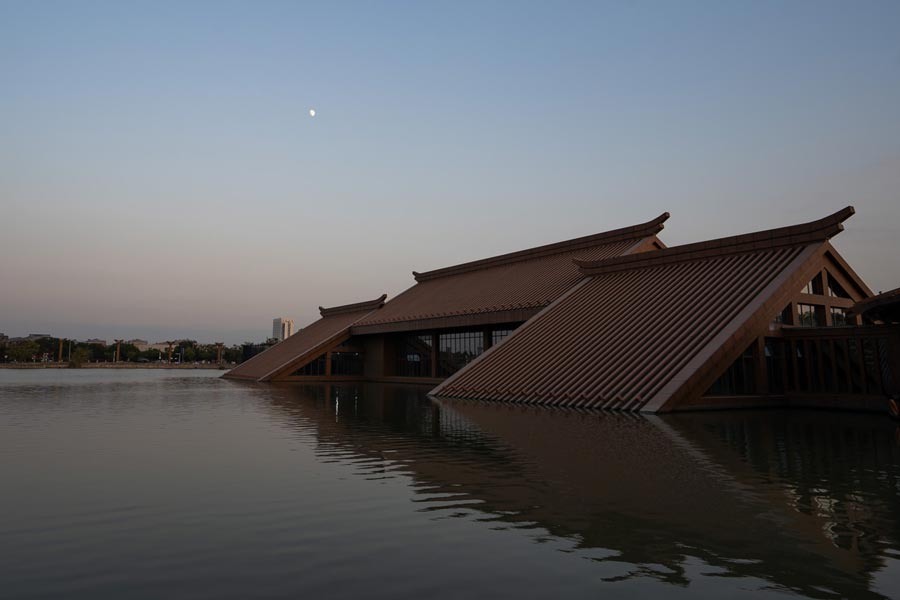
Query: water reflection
802	501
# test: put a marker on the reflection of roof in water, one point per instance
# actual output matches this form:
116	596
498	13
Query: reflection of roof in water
798	500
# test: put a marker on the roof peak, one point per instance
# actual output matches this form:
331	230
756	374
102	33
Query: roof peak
794	235
368	305
616	235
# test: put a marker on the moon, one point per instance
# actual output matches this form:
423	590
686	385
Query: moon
312	112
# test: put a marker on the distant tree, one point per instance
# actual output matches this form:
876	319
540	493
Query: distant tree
233	354
129	352
97	352
188	354
151	354
23	351
49	346
80	355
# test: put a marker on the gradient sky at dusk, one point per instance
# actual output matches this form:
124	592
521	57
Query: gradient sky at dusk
160	175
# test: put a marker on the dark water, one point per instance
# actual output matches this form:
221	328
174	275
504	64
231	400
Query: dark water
154	484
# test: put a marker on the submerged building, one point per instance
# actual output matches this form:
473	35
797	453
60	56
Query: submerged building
618	320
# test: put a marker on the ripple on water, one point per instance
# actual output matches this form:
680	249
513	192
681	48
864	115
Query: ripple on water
153	485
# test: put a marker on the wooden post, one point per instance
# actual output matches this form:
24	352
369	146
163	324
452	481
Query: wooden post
59	358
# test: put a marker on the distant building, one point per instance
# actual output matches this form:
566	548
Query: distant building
3	337
140	344
282	328
37	336
95	341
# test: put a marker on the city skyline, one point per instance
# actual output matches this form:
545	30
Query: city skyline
161	176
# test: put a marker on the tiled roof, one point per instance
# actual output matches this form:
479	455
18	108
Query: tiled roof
306	344
642	327
530	279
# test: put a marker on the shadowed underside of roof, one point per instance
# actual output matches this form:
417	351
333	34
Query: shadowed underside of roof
530	279
640	326
309	342
884	306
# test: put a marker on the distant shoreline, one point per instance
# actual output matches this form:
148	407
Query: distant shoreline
121	365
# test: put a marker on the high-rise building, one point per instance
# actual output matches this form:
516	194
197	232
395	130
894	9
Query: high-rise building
282	328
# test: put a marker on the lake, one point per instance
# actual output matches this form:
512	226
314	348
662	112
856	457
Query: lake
178	484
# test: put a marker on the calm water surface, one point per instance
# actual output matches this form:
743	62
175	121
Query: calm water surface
156	484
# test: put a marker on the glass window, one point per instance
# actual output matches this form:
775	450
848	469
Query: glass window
814	286
802	371
457	350
835	289
855	366
314	368
870	360
776	363
784	317
828	370
739	379
810	315
887	379
346	363
839	316
414	356
498	335
812	349
841	366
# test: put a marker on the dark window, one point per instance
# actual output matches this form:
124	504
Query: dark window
841	366
855	366
812	348
498	335
810	315
870	359
802	370
414	356
814	286
346	363
457	350
739	379
835	289
887	379
839	316
828	370
314	368
776	364
784	317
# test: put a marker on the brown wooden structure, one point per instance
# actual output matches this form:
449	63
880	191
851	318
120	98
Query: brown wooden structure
617	321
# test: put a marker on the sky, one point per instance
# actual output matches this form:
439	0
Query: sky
160	175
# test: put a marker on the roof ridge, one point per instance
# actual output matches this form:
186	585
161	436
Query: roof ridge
794	235
616	235
356	307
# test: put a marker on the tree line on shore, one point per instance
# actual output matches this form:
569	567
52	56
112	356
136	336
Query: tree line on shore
77	353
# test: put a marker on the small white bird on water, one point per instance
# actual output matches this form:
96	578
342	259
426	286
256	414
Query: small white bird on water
312	112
